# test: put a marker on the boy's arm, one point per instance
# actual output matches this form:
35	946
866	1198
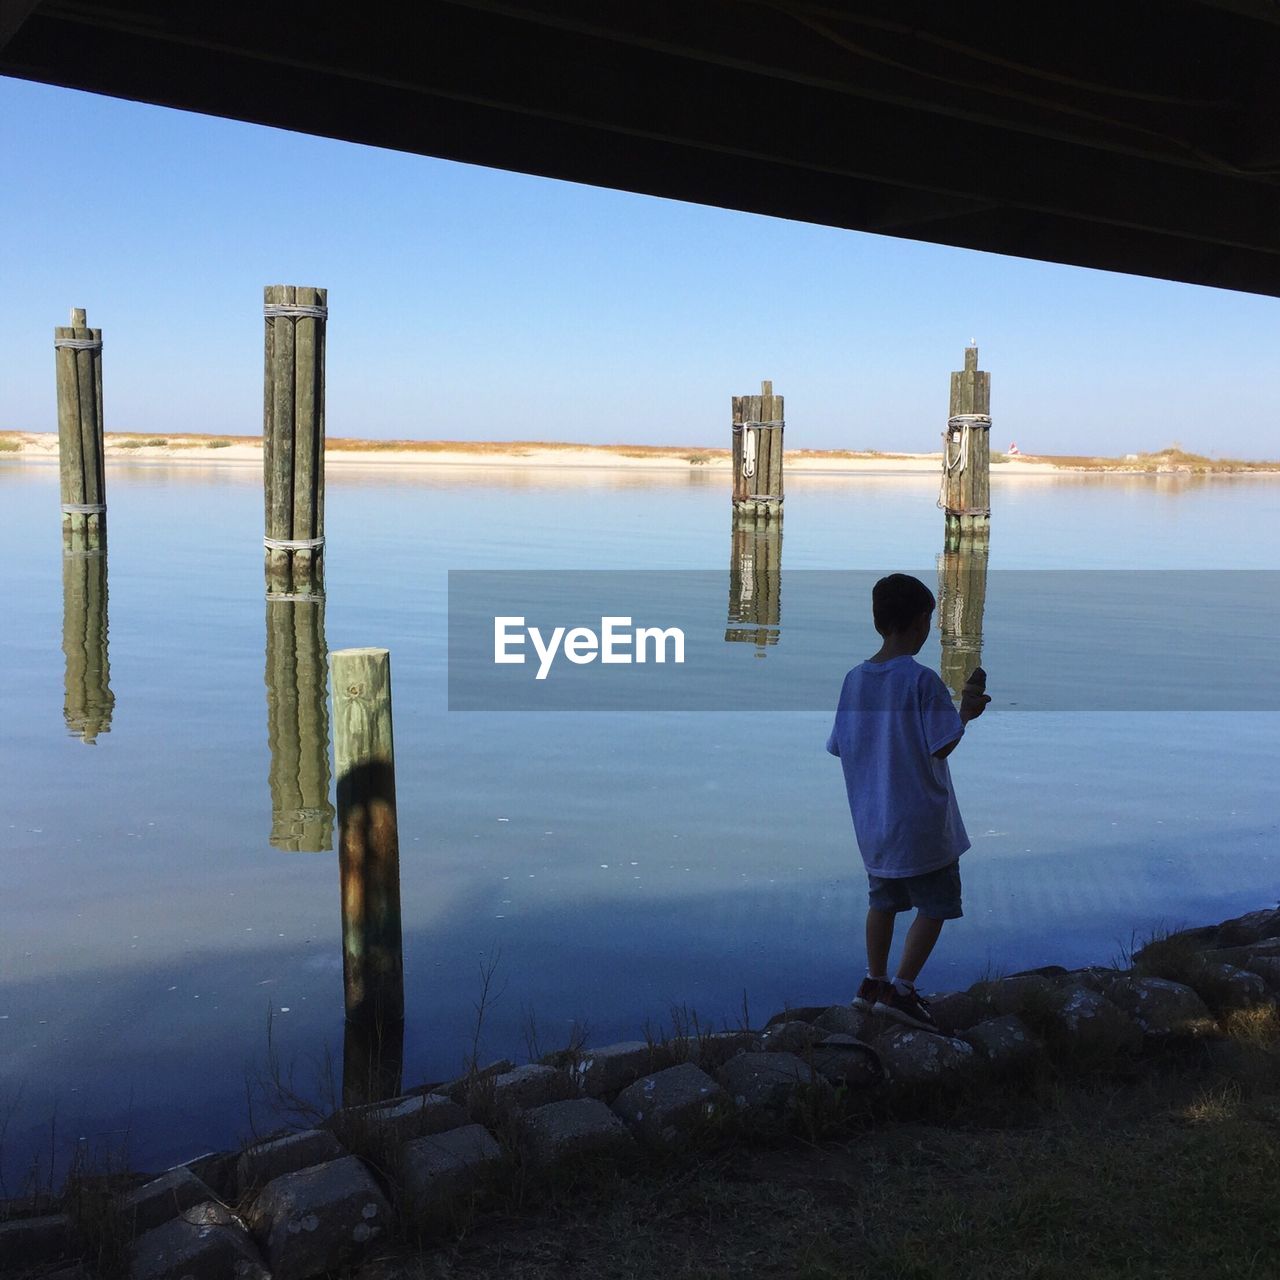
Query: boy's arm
970	709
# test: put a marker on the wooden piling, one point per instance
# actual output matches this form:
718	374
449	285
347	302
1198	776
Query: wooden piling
372	1061
81	469
296	319
755	583
298	726
962	599
758	455
88	701
966	456
368	842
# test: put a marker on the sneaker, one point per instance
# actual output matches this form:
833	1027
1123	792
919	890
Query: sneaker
869	992
909	1007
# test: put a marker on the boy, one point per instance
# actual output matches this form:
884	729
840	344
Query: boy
894	728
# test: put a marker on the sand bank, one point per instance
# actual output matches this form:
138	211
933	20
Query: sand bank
247	450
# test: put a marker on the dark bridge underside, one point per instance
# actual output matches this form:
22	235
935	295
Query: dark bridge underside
1130	135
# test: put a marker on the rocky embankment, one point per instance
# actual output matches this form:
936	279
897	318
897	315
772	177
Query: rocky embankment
303	1204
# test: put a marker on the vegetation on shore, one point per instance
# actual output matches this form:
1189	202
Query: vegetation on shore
1164	1170
1171	460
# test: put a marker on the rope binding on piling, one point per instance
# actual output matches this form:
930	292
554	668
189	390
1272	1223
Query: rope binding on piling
292	544
78	344
959	427
294	310
83	508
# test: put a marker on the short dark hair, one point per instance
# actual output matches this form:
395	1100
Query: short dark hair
897	601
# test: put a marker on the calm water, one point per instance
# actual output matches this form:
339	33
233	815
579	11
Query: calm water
614	864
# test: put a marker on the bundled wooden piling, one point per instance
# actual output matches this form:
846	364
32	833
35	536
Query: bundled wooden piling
293	437
88	702
298	726
757	455
368	841
755	583
81	470
966	454
962	600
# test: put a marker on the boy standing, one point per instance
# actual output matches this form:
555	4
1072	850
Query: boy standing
895	726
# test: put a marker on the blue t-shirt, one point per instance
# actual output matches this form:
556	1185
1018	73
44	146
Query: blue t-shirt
891	718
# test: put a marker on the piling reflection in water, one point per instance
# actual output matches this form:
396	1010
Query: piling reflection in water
89	701
298	725
755	583
962	598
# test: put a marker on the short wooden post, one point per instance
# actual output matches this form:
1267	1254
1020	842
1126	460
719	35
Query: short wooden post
88	701
293	437
757	455
755	583
966	454
962	599
81	471
298	726
368	842
372	1061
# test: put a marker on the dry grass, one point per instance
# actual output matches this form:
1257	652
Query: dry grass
1172	459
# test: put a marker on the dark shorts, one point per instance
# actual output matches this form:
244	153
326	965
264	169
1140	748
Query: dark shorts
936	894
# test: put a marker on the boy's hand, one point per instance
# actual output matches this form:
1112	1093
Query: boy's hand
973	697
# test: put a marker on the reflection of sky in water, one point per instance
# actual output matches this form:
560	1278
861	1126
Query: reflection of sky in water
645	860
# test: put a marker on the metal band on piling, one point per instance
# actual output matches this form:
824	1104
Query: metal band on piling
294	597
78	344
83	508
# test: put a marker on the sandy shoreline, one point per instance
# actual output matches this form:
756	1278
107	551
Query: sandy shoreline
247	450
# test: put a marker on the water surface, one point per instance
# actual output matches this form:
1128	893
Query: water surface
160	908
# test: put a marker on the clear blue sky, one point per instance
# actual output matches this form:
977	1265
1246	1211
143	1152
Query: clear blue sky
468	303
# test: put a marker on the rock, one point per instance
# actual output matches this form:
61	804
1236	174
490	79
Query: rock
1051	971
265	1161
1238	955
448	1164
956	1011
770	1081
1004	1042
459	1089
1163	1009
602	1072
845	1020
1092	1025
806	1013
319	1219
530	1086
1241	989
1267	968
1011	995
790	1037
912	1056
28	1243
567	1130
1253	927
846	1060
714	1048
668	1105
156	1202
1095	977
398	1121
211	1249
